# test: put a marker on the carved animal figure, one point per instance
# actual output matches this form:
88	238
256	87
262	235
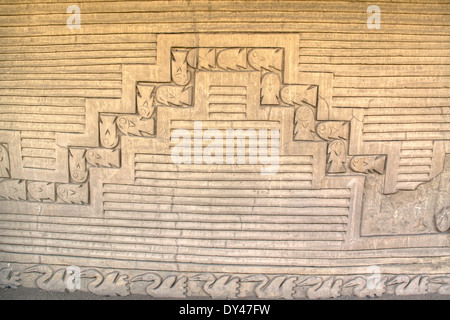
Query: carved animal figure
77	165
144	99
4	162
299	95
304	124
113	284
444	281
73	193
266	58
9	278
107	158
135	125
49	280
321	289
337	157
109	137
362	289
171	287
276	288
13	190
42	191
174	96
331	130
232	59
225	287
270	88
180	74
368	164
202	58
416	286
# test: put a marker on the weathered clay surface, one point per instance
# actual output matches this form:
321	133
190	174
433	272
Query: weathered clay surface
115	179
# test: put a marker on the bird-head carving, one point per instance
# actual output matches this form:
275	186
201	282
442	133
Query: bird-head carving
40	268
147	277
254	278
398	279
203	277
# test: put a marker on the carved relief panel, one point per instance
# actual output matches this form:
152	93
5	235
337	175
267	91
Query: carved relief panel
219	223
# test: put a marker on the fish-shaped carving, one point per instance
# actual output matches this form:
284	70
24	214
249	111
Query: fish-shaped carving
144	100
266	58
300	95
13	190
108	158
270	88
202	58
337	157
304	124
77	165
368	164
42	191
180	74
73	193
4	162
109	137
442	219
332	130
174	96
135	125
232	59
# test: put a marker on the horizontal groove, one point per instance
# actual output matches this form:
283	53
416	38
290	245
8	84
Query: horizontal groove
220	192
183	225
201	209
177	233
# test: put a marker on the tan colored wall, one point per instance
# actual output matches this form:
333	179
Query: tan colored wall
81	187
